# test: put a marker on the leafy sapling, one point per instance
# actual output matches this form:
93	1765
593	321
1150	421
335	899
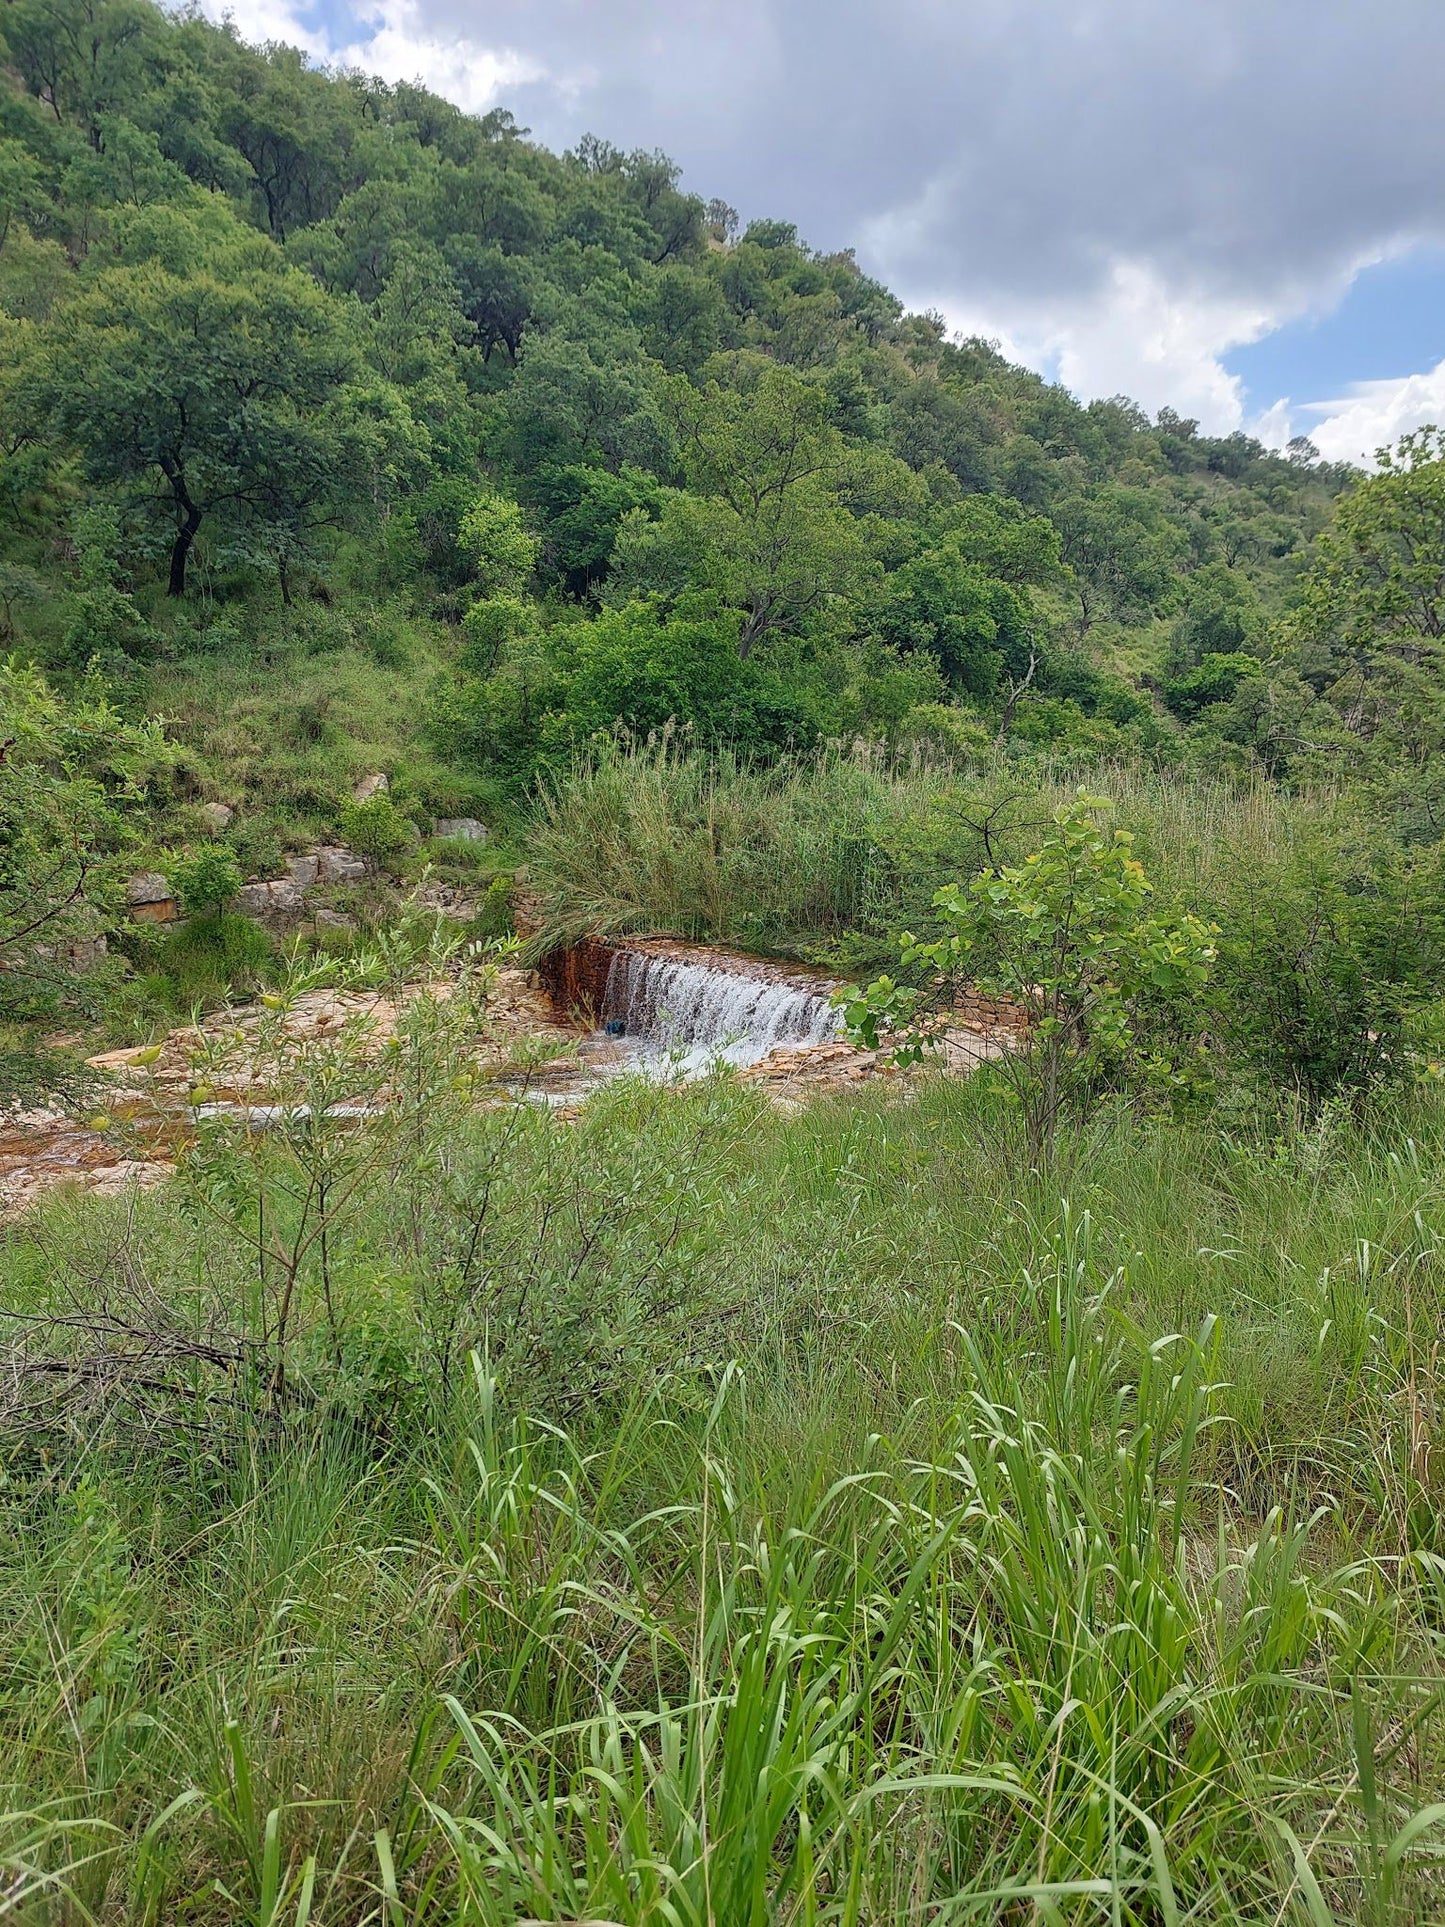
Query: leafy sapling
206	881
1105	984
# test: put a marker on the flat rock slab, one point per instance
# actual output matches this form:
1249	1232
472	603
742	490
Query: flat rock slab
525	1051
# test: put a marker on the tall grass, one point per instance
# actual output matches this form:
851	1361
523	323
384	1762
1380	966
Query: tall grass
990	1559
835	853
651	839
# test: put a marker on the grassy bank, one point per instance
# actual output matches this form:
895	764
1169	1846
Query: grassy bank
832	851
742	1519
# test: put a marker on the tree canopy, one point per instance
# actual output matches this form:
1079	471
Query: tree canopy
327	342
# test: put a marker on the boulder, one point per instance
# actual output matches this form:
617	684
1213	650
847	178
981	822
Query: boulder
149	887
374	785
465	829
283	899
280	898
149	898
217	816
336	864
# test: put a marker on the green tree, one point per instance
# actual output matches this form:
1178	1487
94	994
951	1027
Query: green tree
501	548
22	192
1069	937
72	772
416	321
104	621
27	464
1371	626
584	508
1222	615
1379	577
377	830
295	133
584	392
209	395
86	59
1121	549
975	625
1003	539
206	880
761	521
636	668
1214	679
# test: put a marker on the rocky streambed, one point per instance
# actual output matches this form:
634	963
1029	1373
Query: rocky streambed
647	1006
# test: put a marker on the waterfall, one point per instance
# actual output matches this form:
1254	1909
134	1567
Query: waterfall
685	1015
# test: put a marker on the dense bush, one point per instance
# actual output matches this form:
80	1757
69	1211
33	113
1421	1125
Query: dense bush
206	880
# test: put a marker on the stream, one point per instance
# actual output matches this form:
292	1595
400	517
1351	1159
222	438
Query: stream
675	1017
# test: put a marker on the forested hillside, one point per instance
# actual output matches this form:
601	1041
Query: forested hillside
477	450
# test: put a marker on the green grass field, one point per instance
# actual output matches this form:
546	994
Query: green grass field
761	1520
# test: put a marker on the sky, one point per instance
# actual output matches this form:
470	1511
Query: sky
1235	208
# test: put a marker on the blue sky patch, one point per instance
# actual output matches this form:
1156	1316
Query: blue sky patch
1390	323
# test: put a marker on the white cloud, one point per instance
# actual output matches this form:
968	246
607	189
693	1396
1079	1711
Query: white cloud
1275	425
1131	336
392	41
395	44
1374	413
259	21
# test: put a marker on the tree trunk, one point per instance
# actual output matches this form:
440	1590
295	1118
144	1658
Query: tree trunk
753	626
181	549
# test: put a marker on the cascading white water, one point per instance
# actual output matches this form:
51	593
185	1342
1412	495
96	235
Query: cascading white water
682	1016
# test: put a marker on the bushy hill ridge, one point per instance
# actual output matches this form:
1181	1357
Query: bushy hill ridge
316	378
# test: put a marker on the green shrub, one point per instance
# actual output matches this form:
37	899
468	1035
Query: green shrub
206	880
1214	681
209	961
1332	959
377	830
1070	937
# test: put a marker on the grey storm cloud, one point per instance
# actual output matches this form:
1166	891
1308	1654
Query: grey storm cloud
1007	150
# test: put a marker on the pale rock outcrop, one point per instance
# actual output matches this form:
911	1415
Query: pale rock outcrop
149	898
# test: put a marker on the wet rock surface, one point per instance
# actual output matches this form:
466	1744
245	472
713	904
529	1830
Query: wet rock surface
40	1149
538	1045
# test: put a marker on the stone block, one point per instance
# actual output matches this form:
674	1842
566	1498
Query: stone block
278	898
374	785
217	816
336	864
466	829
149	887
303	870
